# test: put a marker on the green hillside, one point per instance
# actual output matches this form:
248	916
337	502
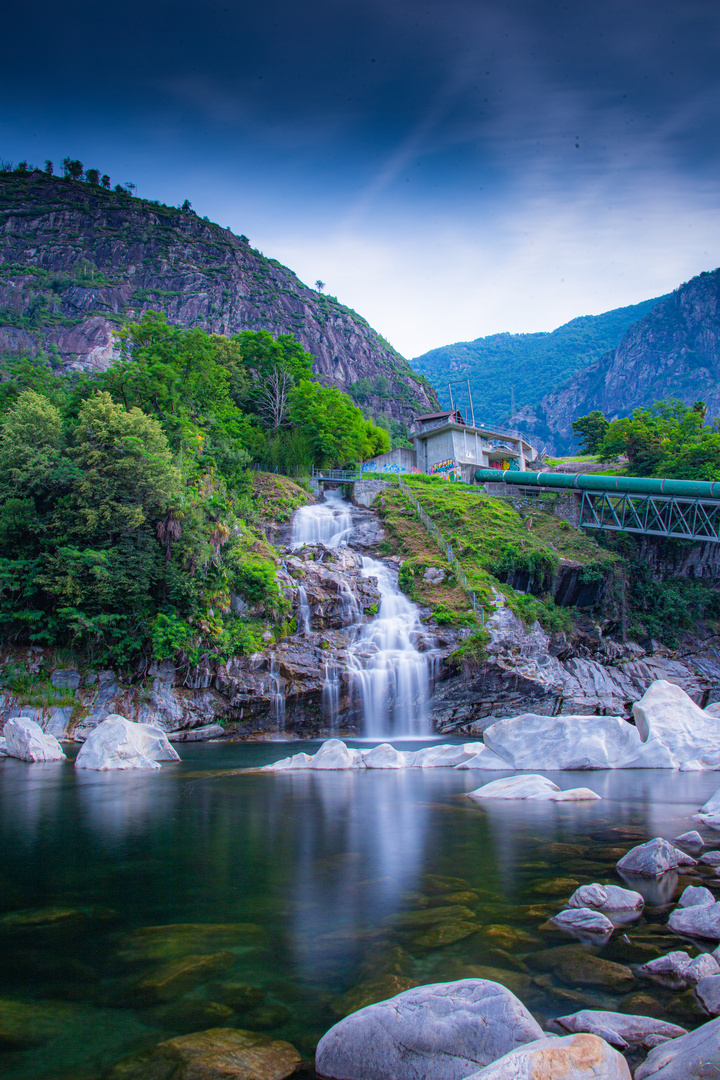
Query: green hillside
527	366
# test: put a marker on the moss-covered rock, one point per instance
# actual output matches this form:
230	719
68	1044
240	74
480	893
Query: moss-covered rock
24	1024
409	920
216	1054
192	1014
172	980
445	933
186	939
579	967
239	996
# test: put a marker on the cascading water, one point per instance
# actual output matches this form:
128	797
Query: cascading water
277	698
303	619
389	675
328	523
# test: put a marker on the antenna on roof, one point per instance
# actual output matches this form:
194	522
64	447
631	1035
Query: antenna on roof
472	410
452	405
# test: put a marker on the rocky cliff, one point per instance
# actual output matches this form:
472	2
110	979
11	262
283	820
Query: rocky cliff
76	261
673	351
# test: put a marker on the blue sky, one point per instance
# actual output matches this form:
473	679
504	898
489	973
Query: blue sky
450	169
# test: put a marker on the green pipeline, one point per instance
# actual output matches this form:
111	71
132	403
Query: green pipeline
633	485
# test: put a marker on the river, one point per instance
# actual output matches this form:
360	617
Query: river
331	875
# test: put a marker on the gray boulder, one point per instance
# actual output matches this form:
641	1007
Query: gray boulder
710	858
26	740
692	1056
606	898
678	970
654	858
619	1029
584	920
444	1031
696	896
702	921
708	992
693	841
577	1057
197	734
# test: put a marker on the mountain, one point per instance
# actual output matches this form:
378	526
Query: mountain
509	371
674	351
77	261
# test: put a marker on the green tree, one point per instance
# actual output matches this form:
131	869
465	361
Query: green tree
31	443
653	436
590	431
105	181
92	176
49	167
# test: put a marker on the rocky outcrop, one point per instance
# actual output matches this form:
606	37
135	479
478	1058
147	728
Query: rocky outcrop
78	260
119	744
673	351
26	740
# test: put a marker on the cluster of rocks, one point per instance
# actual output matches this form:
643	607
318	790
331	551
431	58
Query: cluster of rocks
115	744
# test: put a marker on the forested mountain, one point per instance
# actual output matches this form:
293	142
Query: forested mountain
507	370
673	352
77	261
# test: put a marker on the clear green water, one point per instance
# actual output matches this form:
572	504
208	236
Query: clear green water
335	872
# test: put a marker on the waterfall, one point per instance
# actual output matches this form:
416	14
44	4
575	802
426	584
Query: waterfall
303	619
390	678
327	523
277	697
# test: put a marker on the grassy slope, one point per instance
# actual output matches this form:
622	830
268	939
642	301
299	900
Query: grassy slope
490	538
530	364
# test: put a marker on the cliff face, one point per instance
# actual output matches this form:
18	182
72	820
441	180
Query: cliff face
77	261
674	351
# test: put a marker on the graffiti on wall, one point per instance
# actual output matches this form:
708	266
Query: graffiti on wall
449	469
374	466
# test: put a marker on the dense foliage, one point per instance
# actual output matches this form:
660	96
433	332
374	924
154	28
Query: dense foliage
510	371
127	511
668	439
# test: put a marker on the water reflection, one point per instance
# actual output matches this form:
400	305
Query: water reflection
118	805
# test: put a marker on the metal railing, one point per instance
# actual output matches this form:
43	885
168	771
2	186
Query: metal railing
445	547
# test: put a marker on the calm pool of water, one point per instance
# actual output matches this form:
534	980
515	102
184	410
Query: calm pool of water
308	886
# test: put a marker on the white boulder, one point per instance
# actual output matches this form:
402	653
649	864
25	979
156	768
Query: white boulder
484	759
702	921
696	896
584	920
710	858
384	756
529	787
669	970
708	993
576	1057
606	898
118	743
692	840
666	714
26	740
654	858
709	813
444	755
444	1031
688	1058
619	1029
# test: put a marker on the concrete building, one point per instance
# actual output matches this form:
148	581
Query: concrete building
444	445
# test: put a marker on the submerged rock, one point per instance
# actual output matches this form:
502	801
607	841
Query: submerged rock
530	787
583	920
192	1014
369	992
216	1054
185	939
24	1024
606	898
175	978
26	740
118	743
444	1031
578	967
577	1057
619	1029
654	858
445	933
678	970
696	1055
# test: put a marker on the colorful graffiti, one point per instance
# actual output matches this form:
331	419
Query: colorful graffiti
378	467
449	469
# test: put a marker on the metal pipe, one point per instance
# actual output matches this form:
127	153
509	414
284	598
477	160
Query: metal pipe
636	485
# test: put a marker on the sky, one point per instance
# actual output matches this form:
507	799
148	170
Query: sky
449	168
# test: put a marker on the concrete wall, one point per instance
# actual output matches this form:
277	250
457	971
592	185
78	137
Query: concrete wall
365	491
401	460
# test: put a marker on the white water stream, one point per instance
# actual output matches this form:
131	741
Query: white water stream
390	676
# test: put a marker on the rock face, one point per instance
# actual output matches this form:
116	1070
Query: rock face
619	1029
119	744
671	352
445	1031
578	1057
92	255
26	740
696	1055
530	787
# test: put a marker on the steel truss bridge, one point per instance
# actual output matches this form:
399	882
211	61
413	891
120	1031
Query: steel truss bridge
681	509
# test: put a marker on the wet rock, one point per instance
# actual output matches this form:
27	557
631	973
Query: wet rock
444	755
508	937
384	756
554	887
606	898
530	787
702	921
30	1024
696	1055
192	1014
445	933
643	1004
696	896
185	939
266	1017
237	995
710	858
709	813
577	1057
443	883
619	1029
690	841
175	978
654	858
26	740
409	920
53	917
197	734
708	992
216	1054
119	744
444	1031
582	919
678	970
578	967
370	992
667	715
